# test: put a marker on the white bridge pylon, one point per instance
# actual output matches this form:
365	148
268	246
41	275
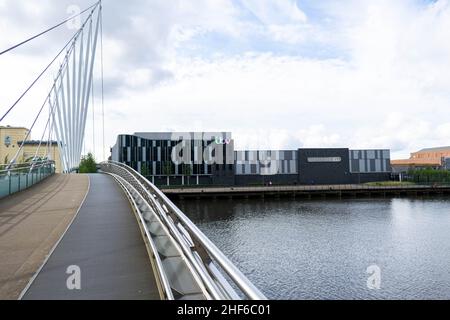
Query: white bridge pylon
70	95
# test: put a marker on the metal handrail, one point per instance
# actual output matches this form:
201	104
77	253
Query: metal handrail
167	225
199	240
37	164
203	280
167	291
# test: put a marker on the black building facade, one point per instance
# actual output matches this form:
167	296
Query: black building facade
171	158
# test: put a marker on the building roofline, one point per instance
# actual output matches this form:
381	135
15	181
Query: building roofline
13	127
434	149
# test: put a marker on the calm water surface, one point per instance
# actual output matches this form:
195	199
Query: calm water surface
321	249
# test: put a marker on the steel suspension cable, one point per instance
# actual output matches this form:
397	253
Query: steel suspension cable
101	76
48	30
46	68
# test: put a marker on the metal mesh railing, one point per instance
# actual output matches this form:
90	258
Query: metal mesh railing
215	271
23	176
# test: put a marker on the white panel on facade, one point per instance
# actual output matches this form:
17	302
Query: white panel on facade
386	154
378	165
293	167
238	169
139	142
362	165
144	154
247	168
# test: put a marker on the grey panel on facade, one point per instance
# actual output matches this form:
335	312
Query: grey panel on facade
355	165
287	155
372	165
128	154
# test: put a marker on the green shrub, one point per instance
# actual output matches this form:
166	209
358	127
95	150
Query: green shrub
87	164
429	176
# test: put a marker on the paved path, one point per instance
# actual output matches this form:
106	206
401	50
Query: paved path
105	242
31	222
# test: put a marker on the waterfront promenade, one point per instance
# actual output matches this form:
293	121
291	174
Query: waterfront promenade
341	190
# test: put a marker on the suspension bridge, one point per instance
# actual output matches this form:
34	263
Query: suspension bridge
109	235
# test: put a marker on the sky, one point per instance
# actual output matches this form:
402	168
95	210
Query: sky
278	74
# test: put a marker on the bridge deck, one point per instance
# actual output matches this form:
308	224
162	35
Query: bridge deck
31	222
104	241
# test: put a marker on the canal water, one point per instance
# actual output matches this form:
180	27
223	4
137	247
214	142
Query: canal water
334	249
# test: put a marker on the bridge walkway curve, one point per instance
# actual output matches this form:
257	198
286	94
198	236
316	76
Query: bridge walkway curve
105	242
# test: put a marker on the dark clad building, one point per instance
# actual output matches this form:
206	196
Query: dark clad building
196	158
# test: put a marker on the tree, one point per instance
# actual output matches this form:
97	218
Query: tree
167	168
187	172
145	171
87	164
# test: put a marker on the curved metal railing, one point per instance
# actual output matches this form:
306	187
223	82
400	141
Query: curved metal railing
214	273
15	178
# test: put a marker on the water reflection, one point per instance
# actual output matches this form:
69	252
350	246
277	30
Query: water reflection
321	249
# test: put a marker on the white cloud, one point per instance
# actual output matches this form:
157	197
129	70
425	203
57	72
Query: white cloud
387	85
276	11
